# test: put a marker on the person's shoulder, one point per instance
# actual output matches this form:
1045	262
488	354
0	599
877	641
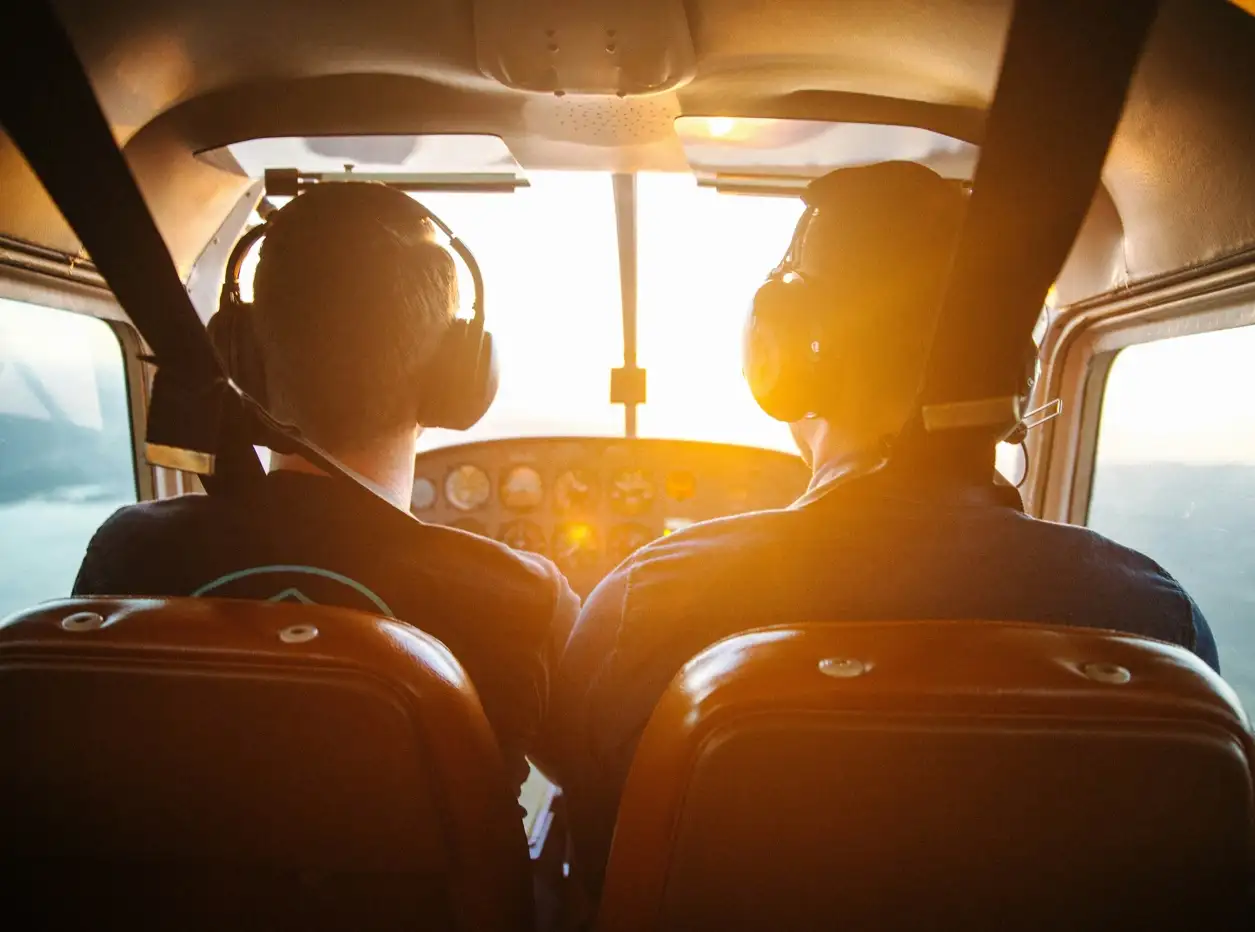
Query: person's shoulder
146	519
137	537
484	562
709	546
752	526
1118	563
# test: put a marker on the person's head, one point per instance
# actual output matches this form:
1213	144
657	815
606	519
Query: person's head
873	253
352	296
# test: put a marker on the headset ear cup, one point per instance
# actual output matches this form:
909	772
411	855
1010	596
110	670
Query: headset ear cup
461	383
488	379
231	333
777	356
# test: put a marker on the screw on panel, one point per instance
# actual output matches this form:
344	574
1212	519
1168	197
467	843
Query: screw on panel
82	621
298	634
843	668
1107	673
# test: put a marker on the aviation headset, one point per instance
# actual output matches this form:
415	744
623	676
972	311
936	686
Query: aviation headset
456	388
790	342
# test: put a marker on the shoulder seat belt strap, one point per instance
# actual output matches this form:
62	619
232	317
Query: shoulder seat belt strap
51	113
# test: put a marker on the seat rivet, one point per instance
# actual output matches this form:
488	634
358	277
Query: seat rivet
82	621
298	634
1107	673
843	668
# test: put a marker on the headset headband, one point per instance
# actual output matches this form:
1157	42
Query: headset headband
235	263
814	196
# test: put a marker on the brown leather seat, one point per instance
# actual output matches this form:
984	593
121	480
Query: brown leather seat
937	775
245	765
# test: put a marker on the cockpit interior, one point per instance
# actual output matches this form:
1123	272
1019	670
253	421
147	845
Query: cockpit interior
626	175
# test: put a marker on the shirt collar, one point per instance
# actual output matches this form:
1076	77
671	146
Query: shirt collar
839	471
870	474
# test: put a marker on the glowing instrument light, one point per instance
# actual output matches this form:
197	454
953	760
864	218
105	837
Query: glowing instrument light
575	546
579	533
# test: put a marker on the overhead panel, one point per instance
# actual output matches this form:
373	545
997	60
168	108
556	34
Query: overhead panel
784	155
585	46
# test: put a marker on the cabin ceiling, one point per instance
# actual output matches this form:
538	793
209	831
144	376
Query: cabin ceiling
179	76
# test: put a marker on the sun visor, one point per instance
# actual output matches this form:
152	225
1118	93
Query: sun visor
432	162
767	156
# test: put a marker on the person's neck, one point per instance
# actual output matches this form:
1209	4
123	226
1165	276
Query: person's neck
388	463
835	452
927	458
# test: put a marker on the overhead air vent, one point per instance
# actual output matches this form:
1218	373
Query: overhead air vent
601	121
585	46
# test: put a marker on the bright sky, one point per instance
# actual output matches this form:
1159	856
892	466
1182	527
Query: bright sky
61	356
551	269
1185	400
550	264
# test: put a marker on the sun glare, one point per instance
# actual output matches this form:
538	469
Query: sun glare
550	261
549	256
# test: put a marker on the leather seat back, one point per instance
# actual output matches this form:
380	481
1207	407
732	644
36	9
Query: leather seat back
230	764
937	775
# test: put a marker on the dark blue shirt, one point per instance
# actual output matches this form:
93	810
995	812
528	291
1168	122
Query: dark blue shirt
302	538
871	549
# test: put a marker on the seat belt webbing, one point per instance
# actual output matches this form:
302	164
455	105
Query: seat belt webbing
1066	70
59	126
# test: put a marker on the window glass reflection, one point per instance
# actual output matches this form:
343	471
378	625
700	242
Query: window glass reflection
66	460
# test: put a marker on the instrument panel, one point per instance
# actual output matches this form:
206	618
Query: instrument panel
589	502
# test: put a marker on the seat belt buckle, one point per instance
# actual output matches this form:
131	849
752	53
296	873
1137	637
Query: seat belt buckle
180	458
183	424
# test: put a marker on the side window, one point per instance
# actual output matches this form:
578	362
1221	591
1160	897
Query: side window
1175	476
66	456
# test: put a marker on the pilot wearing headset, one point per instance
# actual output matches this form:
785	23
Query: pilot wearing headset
353	339
897	524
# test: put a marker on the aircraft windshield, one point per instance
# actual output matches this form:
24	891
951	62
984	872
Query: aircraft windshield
549	256
550	261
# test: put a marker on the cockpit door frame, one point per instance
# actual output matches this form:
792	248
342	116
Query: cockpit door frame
1083	343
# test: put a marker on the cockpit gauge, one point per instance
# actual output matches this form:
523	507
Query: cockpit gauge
467	487
575	546
522	489
471	526
424	494
681	485
625	539
523	535
575	490
631	492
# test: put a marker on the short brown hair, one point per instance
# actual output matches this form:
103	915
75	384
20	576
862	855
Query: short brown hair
352	295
